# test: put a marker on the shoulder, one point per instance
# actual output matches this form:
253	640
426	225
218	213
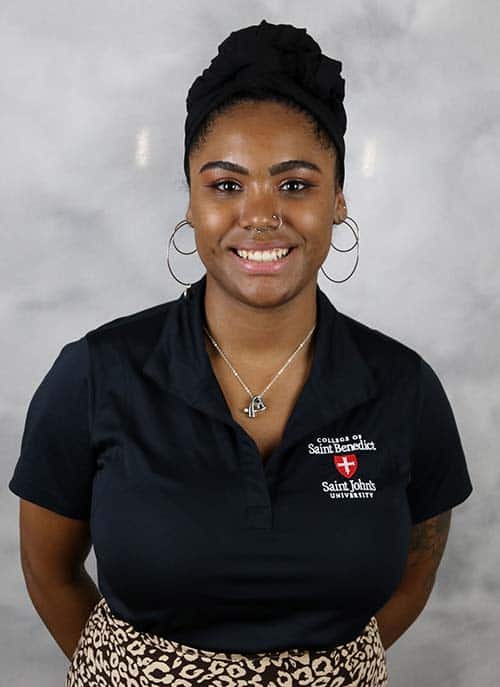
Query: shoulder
393	361
127	324
387	356
132	335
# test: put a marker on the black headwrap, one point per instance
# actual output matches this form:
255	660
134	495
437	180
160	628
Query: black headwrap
279	57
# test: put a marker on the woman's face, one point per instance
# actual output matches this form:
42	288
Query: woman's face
226	202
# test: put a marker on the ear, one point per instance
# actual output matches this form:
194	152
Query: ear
340	207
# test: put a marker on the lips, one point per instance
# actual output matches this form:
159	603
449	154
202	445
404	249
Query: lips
261	245
263	250
256	267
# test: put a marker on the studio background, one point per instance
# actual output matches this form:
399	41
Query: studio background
93	108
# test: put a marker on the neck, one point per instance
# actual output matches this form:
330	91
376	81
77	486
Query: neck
259	335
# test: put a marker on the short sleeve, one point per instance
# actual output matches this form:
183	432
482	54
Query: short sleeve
439	477
55	467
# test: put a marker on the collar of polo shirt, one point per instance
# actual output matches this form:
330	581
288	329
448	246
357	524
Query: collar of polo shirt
340	377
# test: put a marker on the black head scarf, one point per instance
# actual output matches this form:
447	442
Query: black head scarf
277	57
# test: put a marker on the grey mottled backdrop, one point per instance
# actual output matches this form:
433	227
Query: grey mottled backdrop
92	139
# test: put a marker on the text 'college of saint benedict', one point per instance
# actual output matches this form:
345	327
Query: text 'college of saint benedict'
347	488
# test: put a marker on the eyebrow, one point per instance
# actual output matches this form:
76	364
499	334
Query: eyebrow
274	169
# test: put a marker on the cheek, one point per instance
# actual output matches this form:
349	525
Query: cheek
323	248
313	221
212	219
319	238
208	240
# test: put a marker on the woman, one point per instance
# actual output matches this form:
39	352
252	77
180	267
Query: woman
267	482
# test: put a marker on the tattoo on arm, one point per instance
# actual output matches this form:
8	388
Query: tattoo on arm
427	543
430	535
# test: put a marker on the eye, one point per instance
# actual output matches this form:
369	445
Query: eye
224	181
297	181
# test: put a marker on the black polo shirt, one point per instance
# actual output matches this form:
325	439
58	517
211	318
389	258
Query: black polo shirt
196	539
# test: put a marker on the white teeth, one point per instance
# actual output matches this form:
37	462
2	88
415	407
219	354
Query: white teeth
264	255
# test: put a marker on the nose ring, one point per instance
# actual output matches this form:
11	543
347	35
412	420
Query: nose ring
259	229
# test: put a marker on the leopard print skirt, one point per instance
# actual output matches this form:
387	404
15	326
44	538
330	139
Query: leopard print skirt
112	653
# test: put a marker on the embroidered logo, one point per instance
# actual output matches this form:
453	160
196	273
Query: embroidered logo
345	461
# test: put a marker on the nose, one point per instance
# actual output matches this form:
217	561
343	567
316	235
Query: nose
262	212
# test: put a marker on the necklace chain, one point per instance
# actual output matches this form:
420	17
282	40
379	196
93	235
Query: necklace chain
256	402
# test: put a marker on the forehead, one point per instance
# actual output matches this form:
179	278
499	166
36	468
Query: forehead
262	129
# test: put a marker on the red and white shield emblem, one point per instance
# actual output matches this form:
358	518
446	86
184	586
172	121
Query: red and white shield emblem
346	464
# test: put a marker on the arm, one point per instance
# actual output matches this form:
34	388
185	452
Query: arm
53	552
428	540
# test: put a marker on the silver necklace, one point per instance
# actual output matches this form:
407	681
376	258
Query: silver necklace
256	404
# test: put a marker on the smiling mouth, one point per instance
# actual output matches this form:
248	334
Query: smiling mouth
274	255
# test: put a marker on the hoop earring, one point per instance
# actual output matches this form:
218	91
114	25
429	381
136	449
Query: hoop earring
189	252
346	250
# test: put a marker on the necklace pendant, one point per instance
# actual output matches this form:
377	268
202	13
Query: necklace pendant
255	406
